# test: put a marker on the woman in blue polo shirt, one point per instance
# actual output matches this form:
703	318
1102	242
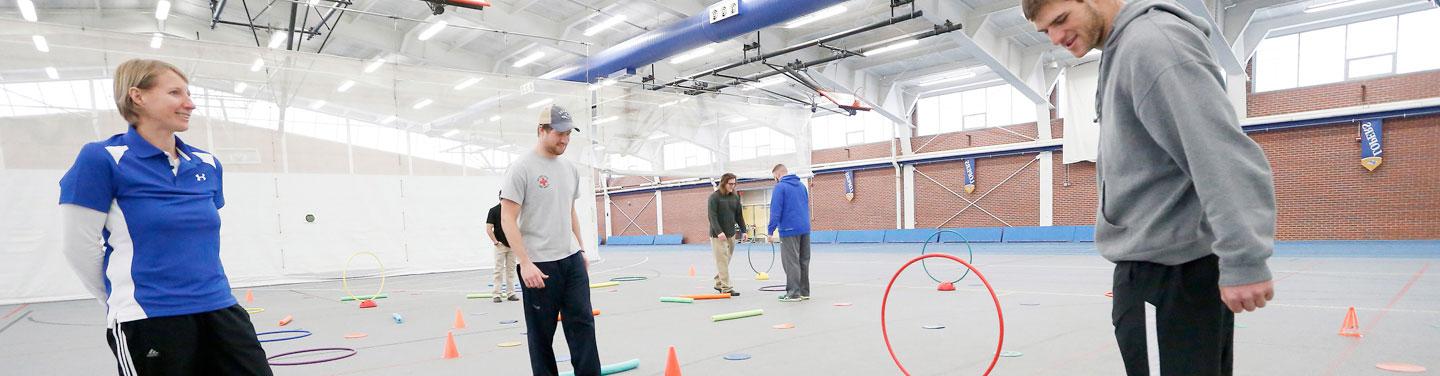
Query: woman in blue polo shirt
142	230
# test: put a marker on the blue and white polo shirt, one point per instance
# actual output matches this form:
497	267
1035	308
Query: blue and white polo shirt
162	232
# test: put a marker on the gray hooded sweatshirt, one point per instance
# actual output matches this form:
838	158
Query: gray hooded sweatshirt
1178	179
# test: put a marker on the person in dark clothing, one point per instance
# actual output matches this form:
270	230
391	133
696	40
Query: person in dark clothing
504	259
726	220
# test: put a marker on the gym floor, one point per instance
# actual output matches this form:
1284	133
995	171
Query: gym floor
1052	296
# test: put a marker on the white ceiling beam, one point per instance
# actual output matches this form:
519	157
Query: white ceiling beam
1002	56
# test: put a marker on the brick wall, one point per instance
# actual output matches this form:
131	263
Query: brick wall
640	206
1016	202
1074	192
872	208
975	138
1395	88
687	213
1322	192
850	153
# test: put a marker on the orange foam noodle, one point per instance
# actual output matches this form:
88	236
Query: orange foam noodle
707	296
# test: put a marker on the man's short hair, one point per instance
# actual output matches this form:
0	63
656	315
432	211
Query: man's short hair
1031	8
777	168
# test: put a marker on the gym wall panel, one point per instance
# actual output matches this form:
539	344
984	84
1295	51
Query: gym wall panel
1075	195
639	207
687	213
850	153
974	138
872	209
1016	202
1418	85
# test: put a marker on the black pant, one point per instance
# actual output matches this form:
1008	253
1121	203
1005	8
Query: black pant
567	293
220	342
1196	330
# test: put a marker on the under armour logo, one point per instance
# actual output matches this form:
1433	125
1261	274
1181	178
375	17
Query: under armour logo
199	177
153	354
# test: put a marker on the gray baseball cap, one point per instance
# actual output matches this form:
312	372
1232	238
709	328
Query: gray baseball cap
557	118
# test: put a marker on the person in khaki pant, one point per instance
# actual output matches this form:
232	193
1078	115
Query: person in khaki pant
726	221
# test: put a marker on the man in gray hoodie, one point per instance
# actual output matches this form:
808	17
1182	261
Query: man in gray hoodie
1187	205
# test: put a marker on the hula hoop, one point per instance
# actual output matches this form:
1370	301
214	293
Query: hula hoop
885	332
345	275
751	261
352	353
629	278
301	334
936	236
772	288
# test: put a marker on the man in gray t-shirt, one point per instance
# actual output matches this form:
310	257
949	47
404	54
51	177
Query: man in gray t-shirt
537	193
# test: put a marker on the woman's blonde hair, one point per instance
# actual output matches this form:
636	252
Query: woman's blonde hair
140	74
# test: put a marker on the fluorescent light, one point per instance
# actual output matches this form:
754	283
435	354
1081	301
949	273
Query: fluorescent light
432	30
737	119
422	103
893	46
762	83
467	83
607	120
451	133
277	39
162	10
27	10
375	64
1334	5
317	104
606	24
157	40
54	74
539	103
954	78
259	63
40	44
692	54
240	87
345	86
658	135
670	103
528	59
820	15
388	119
607	82
495	118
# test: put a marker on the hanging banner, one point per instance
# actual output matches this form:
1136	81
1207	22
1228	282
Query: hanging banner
1372	142
969	175
849	185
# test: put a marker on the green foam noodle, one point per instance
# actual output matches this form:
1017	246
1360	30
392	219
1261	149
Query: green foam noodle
610	369
671	299
737	315
604	284
364	297
479	296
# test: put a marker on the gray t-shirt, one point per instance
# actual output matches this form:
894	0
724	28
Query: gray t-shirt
546	189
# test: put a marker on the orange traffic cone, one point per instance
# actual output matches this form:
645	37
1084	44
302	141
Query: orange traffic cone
672	364
1351	326
459	319
946	286
692	270
450	351
249	296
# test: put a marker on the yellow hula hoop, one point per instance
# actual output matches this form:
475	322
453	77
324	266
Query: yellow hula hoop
345	275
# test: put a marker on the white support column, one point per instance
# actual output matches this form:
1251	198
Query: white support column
1047	188
350	146
909	175
659	213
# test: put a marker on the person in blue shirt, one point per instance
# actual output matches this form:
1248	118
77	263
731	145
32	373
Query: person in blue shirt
142	231
790	215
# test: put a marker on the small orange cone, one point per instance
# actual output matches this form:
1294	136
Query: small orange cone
459	319
692	270
249	296
946	286
367	303
450	351
1351	326
672	364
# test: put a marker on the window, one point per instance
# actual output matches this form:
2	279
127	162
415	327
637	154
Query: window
759	142
680	155
834	130
1365	49
993	106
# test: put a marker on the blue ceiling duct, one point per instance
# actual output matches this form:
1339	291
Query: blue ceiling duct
684	35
